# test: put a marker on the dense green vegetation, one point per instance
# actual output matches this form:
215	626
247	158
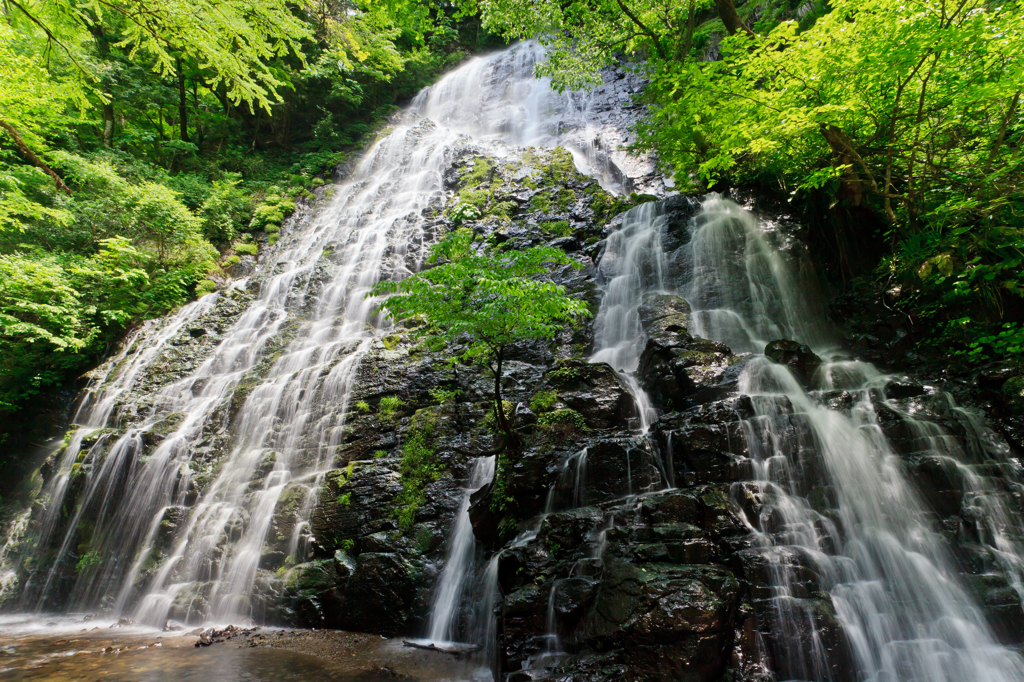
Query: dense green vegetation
145	147
909	109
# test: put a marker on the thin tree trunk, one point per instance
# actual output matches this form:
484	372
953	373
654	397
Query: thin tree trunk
498	403
108	124
182	102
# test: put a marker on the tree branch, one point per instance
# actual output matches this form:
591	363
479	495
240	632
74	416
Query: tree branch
31	156
1002	132
636	20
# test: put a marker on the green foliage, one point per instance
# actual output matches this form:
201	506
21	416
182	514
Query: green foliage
479	173
88	561
912	110
205	286
224	210
172	127
463	212
443	396
389	406
501	498
485	302
566	374
419	469
560	228
246	249
363	406
543	401
564	420
271	213
345	500
981	343
491	300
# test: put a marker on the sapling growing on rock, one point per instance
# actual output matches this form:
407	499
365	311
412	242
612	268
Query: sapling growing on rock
486	302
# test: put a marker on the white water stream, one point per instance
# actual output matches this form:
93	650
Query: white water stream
895	589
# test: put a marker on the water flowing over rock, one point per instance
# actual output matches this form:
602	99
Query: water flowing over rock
710	487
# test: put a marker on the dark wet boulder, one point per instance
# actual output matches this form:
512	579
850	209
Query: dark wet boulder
593	390
381	596
687	371
798	357
665	319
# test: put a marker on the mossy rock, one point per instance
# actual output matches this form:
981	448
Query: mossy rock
1013	389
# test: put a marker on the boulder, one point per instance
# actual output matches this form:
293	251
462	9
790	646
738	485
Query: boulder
677	369
665	319
800	359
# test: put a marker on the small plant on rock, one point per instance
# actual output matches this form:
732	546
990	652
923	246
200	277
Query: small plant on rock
485	303
389	406
543	401
565	422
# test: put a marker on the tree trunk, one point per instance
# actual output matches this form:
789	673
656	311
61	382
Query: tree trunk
108	124
842	152
731	18
182	102
103	49
499	407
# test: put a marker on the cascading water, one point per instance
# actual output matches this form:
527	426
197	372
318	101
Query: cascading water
903	613
312	311
633	264
443	626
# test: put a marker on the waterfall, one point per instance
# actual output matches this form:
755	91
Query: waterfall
891	580
273	394
742	290
443	626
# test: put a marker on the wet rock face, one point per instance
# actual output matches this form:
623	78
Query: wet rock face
799	358
677	369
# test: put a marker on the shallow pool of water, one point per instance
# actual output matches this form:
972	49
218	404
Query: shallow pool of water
74	649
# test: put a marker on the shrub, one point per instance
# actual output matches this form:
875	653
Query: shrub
246	249
389	406
463	212
205	286
565	421
543	401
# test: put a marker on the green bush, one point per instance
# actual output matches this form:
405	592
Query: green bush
205	286
543	401
246	249
272	211
464	212
389	406
566	420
